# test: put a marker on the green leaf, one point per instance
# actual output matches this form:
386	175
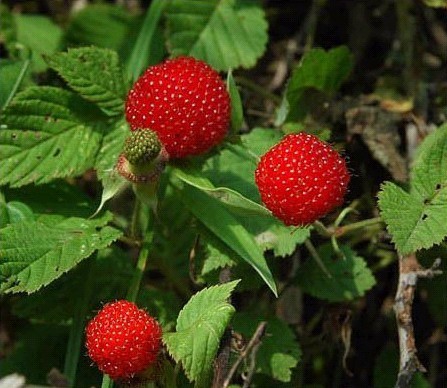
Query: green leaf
101	25
142	54
14	211
218	255
95	74
236	202
275	235
12	73
350	277
33	254
40	35
47	133
200	326
237	113
112	272
112	184
220	222
225	33
58	197
279	351
8	31
416	219
320	70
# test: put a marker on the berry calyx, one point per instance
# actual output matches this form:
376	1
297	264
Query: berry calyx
143	158
301	179
141	146
122	339
185	102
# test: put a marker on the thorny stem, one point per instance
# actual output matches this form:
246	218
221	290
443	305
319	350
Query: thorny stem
251	347
409	272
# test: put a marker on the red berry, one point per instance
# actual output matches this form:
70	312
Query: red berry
185	101
122	339
301	179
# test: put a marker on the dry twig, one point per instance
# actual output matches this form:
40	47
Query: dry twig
409	272
251	350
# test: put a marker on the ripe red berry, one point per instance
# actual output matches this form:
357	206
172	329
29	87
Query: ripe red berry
185	101
301	179
122	339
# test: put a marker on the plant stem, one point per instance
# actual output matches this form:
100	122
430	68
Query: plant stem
77	328
106	382
341	230
258	89
134	287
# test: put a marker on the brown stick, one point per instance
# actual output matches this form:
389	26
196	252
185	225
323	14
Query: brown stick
253	344
409	272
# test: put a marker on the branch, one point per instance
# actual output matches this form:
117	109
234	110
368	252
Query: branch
409	272
251	347
223	355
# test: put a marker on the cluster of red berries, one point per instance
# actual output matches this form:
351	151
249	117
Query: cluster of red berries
184	102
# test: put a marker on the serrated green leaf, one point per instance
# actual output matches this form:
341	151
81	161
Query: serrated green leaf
319	70
33	254
279	351
102	25
416	219
237	113
220	222
47	133
350	276
282	239
111	271
218	255
235	201
200	326
225	33
40	35
111	148
95	74
12	75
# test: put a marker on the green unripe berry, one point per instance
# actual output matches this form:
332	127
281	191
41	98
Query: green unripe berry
141	147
